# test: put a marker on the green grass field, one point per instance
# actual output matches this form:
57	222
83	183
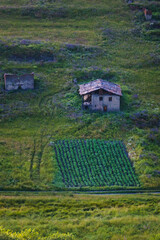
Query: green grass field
35	36
80	217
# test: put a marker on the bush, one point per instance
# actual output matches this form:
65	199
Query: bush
32	234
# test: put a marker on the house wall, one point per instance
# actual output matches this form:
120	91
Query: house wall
113	105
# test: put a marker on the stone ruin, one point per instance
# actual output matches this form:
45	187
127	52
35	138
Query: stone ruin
147	14
14	82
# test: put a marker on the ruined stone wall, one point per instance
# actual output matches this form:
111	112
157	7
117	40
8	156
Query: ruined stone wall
148	17
27	81
11	82
14	82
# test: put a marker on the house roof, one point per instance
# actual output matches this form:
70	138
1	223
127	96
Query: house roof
100	84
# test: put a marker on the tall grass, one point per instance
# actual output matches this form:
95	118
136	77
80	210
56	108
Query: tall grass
81	217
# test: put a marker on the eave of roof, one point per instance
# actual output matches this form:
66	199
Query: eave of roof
100	84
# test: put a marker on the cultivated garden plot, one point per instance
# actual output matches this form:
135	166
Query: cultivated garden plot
94	163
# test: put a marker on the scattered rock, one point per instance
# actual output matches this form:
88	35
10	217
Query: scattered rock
154	130
51	144
28	42
149	175
80	47
135	96
75	80
45	57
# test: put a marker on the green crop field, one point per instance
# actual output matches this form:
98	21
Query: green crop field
94	163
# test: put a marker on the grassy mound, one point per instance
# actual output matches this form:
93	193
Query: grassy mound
94	163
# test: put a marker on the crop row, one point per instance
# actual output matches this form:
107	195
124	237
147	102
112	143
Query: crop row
94	163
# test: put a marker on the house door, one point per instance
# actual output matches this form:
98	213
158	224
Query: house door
105	108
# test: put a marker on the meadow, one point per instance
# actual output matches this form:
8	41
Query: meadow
68	216
65	40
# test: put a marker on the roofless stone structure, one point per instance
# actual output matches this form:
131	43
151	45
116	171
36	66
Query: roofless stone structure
14	82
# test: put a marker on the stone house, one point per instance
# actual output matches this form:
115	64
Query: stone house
100	95
147	14
14	82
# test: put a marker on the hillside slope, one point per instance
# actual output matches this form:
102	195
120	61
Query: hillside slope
60	41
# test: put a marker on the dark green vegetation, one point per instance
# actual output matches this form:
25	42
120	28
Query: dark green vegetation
80	216
94	163
61	41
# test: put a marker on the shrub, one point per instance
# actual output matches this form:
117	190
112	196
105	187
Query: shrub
32	234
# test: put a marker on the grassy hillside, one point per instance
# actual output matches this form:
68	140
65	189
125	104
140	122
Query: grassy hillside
80	217
61	41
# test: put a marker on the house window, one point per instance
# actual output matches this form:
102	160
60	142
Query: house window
100	98
110	99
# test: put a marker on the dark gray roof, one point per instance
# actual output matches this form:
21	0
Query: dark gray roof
100	84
